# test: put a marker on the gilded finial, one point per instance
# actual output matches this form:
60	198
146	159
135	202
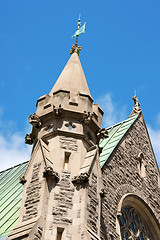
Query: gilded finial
137	104
76	48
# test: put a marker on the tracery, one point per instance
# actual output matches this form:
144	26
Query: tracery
132	225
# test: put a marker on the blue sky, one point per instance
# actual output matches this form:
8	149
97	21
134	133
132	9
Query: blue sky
120	53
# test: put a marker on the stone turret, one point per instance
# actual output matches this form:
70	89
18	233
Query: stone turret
62	183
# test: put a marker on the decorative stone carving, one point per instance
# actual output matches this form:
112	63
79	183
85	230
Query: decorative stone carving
136	108
102	133
22	180
132	225
81	178
58	112
49	127
70	125
87	117
69	143
34	120
75	49
49	172
29	139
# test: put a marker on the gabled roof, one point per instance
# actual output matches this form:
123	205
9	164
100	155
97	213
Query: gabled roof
11	190
10	198
115	134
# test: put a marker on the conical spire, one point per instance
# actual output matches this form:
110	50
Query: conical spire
72	78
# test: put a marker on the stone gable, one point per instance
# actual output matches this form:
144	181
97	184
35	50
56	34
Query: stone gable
121	175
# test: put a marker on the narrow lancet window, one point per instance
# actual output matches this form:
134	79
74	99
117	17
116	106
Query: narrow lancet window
66	160
59	233
142	165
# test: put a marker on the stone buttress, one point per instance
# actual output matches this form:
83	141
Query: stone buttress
63	183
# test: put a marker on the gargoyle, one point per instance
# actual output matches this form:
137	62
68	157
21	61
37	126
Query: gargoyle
82	178
22	180
29	139
58	111
49	172
102	133
34	120
87	117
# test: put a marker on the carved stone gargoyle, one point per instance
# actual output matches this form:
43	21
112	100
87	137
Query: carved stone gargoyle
22	180
58	112
36	123
50	173
102	133
29	139
81	178
87	117
34	120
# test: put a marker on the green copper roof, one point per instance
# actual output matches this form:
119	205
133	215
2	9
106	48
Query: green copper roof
10	198
115	134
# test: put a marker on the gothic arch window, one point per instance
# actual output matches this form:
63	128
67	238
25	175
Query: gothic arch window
132	225
135	220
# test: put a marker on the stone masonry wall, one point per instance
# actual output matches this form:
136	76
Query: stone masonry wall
121	176
92	205
64	200
33	196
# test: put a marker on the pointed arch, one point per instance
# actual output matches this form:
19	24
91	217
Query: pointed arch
133	202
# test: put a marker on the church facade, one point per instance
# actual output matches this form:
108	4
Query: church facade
83	181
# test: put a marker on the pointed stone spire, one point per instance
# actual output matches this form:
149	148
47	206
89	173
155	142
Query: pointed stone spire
72	78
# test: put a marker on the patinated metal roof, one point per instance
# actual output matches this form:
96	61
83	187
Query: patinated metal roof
115	134
11	189
10	198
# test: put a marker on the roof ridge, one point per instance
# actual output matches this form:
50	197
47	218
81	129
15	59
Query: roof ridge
13	166
122	121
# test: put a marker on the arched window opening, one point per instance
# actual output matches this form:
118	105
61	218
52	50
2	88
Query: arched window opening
132	225
135	219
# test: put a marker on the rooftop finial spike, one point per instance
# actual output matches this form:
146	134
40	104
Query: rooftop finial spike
137	104
75	48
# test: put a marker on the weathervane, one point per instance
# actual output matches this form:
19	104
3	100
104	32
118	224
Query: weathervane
76	48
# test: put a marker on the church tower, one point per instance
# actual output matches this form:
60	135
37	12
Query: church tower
63	181
84	182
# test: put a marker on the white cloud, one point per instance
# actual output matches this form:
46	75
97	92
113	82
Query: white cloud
13	150
112	112
155	140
